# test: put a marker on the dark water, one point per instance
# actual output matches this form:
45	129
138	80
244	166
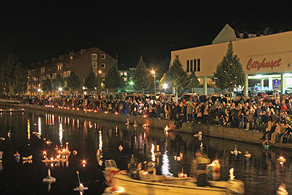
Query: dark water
261	173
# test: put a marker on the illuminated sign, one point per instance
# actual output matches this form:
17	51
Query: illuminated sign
258	65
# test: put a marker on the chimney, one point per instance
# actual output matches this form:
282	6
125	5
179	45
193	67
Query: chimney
54	59
61	57
82	51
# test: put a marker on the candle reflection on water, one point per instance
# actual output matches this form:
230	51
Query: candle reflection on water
99	151
152	153
28	131
61	134
40	126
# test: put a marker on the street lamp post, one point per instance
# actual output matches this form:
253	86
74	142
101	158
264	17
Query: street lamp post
153	72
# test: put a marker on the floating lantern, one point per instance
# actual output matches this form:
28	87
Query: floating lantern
121	148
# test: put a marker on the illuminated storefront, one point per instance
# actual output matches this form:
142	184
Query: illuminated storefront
264	59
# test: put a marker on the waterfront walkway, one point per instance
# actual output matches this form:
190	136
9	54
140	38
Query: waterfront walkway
247	136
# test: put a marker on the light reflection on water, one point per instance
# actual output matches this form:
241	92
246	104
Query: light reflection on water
86	136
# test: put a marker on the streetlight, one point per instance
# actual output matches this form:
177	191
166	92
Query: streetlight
165	85
153	72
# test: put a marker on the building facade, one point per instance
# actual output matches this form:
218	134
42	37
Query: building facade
80	62
127	76
264	58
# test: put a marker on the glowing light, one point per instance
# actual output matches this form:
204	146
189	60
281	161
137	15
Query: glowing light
61	134
121	148
121	190
28	130
152	153
166	128
106	112
165	85
165	165
231	171
40	126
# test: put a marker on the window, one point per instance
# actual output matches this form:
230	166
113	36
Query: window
60	66
102	65
191	68
94	64
199	65
195	65
125	73
121	74
43	70
188	66
102	56
94	56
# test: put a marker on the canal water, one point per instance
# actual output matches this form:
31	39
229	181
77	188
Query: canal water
33	132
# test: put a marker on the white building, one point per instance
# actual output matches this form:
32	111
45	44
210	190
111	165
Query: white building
264	58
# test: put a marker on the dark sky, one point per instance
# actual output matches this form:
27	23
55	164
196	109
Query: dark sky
44	29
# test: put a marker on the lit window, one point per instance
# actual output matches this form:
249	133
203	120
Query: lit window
121	74
102	65
60	66
102	56
94	56
125	73
125	79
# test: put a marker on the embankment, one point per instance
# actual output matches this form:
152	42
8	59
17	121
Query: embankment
252	137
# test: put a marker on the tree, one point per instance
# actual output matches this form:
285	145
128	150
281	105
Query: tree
141	77
113	78
73	81
229	72
47	85
13	77
176	76
193	81
91	80
20	80
58	82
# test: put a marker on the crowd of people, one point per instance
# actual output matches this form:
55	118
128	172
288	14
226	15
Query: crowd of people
250	113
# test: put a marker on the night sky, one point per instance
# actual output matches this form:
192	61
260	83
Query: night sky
44	29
